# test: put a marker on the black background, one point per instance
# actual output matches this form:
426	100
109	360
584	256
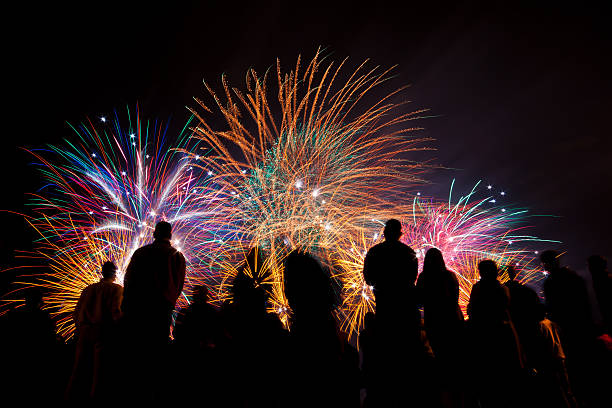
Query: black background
520	92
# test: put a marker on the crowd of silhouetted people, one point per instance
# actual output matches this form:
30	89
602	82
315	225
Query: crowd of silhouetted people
417	349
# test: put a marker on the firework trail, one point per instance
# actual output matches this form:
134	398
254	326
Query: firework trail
302	172
105	192
466	232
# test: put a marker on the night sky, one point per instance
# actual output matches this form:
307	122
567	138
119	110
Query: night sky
519	95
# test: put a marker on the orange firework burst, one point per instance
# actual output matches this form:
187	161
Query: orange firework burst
312	168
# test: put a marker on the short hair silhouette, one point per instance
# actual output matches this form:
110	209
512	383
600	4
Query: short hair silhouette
393	230
434	261
163	230
109	270
550	259
487	269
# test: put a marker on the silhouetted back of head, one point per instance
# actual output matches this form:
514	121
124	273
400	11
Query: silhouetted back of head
109	270
307	286
163	230
33	297
487	269
393	230
550	260
434	261
511	272
597	264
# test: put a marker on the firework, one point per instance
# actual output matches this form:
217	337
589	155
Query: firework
105	192
466	232
303	172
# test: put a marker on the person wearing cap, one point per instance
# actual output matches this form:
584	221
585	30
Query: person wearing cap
96	318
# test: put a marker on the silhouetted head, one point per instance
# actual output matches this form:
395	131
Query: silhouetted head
163	231
511	272
393	230
597	264
434	261
308	288
33	298
487	269
200	294
550	260
109	270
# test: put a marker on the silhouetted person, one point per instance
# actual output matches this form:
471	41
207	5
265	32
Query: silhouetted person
438	291
391	267
546	376
403	355
96	318
602	285
197	325
315	344
197	335
152	284
255	352
521	300
29	346
497	356
568	306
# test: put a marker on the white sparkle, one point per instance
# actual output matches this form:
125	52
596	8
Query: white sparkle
197	157
102	118
503	193
489	186
132	135
503	210
493	201
209	173
315	192
123	173
93	155
298	184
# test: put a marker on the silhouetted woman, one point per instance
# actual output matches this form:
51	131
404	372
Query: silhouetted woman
438	291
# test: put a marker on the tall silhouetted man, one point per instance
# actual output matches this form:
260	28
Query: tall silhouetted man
391	267
152	284
568	305
400	354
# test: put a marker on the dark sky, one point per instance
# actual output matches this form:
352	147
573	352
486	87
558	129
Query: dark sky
520	92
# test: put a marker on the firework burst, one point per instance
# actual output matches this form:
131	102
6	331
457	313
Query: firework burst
466	232
105	192
303	172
